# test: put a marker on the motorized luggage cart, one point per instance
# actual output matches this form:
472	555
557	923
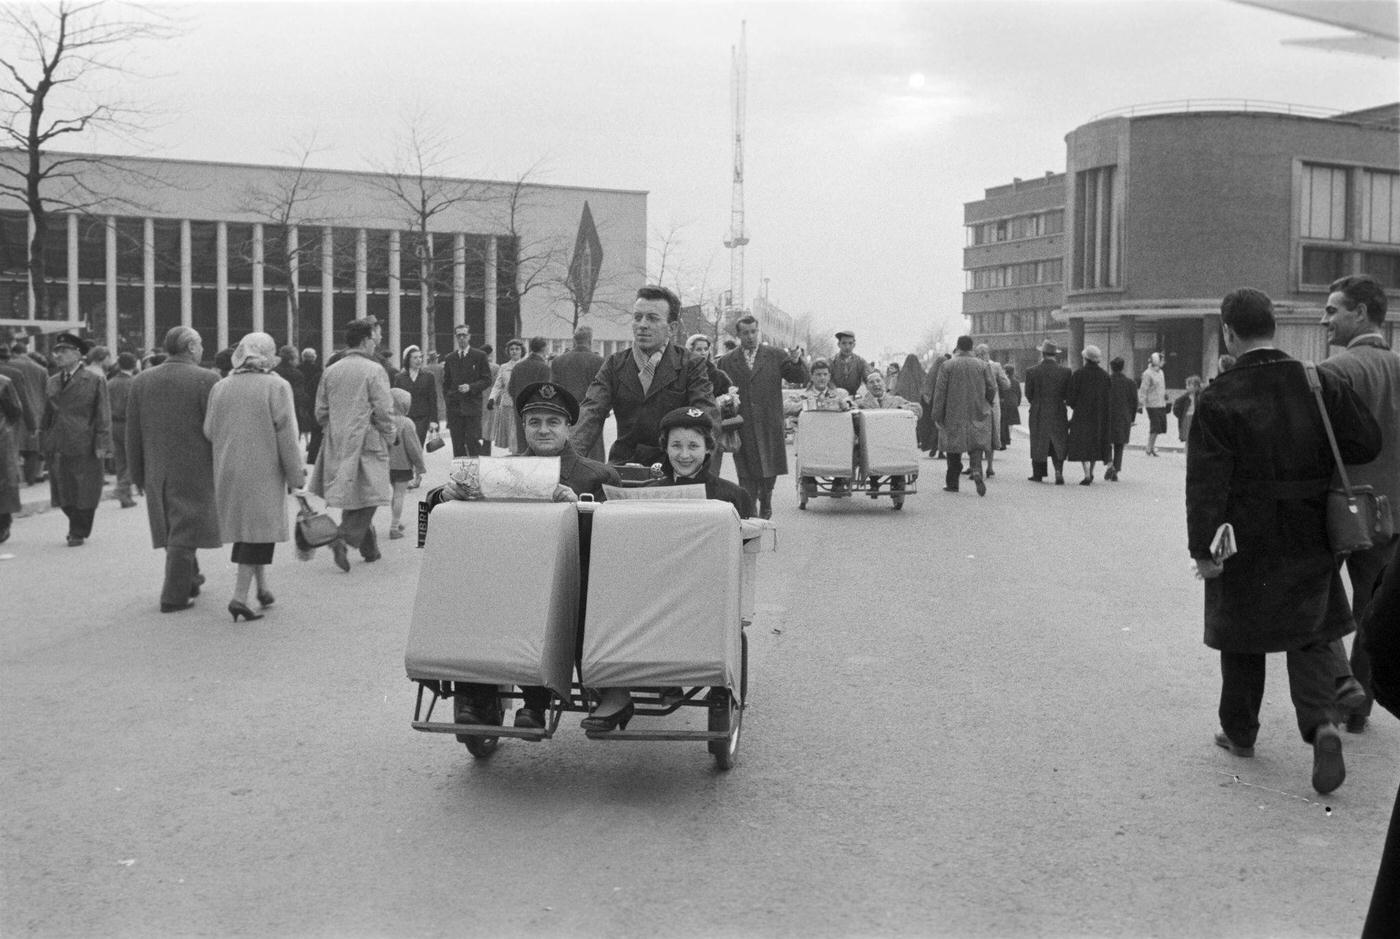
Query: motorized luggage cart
842	450
502	589
888	448
825	453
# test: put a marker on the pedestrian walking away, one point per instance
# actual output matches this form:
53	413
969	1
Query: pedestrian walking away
252	426
1090	426
356	411
575	370
118	388
962	411
172	462
1259	460
532	369
1122	406
1046	384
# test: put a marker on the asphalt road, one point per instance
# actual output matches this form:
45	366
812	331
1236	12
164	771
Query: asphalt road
974	717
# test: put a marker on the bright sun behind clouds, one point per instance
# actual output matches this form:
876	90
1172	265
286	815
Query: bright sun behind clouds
916	80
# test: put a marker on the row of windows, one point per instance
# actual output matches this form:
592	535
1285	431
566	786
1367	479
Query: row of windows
1343	204
285	250
1322	265
1020	226
1025	321
1024	274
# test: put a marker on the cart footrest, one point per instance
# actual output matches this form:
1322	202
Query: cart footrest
691	735
484	730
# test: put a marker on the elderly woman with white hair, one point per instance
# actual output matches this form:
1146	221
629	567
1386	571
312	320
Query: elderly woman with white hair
251	422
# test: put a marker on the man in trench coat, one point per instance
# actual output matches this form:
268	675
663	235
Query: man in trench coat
170	459
1046	385
356	411
77	436
1258	458
758	370
32	389
962	411
575	370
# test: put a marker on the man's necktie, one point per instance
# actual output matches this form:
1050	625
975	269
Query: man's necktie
646	372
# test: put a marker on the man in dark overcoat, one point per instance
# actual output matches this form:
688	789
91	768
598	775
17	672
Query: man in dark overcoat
172	461
758	370
310	370
1090	429
1258	458
1122	407
575	371
1046	384
466	373
530	370
32	390
77	436
640	385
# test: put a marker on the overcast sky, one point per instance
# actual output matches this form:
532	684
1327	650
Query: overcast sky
855	174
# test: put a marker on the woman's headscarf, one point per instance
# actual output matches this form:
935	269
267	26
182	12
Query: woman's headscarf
256	352
911	379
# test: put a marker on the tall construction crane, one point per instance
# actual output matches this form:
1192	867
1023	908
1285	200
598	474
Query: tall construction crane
737	239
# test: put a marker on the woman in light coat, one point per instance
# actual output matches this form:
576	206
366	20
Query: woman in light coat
252	425
501	404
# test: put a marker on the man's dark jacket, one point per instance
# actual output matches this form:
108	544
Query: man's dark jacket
681	380
470	367
1257	457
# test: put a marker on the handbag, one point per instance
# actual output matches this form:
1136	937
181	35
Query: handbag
314	529
434	441
1358	517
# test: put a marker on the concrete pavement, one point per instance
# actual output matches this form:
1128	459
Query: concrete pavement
973	717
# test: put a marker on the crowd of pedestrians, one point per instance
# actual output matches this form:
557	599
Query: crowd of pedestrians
215	454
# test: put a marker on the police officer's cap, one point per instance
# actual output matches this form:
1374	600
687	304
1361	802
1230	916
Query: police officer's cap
72	341
547	396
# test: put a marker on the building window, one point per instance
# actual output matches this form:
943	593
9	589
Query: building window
1096	232
1323	265
1324	202
1383	267
1380	207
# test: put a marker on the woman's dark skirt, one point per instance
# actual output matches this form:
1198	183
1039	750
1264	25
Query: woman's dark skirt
252	552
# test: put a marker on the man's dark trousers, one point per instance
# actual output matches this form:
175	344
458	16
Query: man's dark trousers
466	434
1311	683
181	575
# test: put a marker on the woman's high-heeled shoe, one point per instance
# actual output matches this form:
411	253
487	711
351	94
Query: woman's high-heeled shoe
617	719
241	609
265	598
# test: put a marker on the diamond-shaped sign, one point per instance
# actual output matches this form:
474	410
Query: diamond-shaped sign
587	261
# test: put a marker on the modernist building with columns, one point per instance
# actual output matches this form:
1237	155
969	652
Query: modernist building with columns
1167	210
299	253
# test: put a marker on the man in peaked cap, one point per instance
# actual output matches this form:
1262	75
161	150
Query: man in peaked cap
76	436
848	370
1045	389
547	411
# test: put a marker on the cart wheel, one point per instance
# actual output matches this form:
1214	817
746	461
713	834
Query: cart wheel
480	747
723	718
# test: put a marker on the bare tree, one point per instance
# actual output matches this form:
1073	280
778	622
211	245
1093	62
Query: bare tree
289	205
61	61
533	262
416	183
